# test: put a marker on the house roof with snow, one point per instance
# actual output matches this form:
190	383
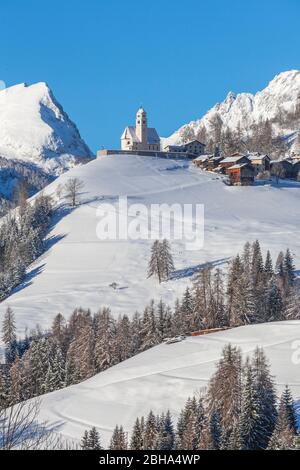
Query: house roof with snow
257	156
233	159
192	141
202	158
237	166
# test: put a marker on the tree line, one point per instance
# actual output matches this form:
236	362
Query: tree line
252	291
259	137
22	235
239	410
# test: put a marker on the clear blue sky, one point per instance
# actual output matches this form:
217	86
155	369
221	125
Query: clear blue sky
102	58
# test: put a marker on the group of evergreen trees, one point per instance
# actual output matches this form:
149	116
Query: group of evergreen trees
238	411
260	137
86	344
22	240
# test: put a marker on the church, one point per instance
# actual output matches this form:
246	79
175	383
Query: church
140	136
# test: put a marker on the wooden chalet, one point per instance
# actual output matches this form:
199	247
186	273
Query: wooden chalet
259	162
241	174
235	159
202	161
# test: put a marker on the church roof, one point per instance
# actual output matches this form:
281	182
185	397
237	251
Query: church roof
129	132
153	137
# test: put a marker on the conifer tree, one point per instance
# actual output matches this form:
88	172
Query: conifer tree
155	266
137	436
283	437
250	424
85	441
9	337
286	405
166	437
104	352
151	432
187	309
225	388
119	439
269	266
264	390
289	268
167	259
94	439
274	308
149	330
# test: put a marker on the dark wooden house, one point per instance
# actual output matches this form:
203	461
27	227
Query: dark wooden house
241	174
260	163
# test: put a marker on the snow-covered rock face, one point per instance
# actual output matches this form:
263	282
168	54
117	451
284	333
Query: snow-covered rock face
35	128
244	109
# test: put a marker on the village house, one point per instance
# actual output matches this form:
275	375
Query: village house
208	162
202	161
241	174
140	136
194	147
232	160
260	163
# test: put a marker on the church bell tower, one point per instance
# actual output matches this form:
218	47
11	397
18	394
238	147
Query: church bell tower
141	126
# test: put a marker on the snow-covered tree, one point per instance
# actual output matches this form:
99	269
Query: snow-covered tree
137	436
9	337
119	439
161	261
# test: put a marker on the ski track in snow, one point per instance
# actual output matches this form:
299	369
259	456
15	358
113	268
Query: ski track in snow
163	377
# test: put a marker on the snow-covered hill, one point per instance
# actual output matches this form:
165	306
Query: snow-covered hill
242	110
163	377
35	128
78	268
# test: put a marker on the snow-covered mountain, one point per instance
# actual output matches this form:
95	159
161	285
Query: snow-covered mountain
163	378
276	103
35	128
78	269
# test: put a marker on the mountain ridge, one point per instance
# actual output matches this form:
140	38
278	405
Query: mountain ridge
278	102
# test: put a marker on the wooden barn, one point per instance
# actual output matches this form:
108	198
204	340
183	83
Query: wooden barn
241	174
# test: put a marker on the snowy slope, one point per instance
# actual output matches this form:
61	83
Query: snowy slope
163	377
244	109
35	128
77	268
